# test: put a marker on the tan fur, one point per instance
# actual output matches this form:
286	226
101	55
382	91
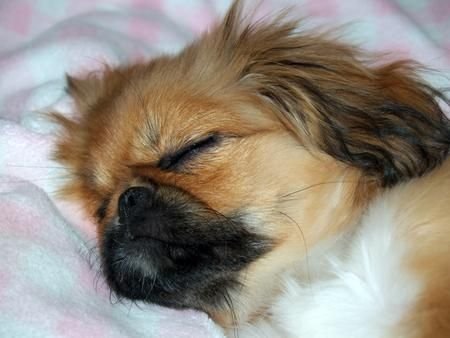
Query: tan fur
423	222
312	133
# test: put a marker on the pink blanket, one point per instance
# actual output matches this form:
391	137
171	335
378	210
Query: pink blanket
49	282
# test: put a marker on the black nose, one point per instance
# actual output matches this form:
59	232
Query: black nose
133	201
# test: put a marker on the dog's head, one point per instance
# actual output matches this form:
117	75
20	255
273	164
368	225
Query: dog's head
211	172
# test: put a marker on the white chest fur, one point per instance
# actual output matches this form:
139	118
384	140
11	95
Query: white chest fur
362	292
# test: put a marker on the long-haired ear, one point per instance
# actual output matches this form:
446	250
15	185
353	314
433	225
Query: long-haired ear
84	91
87	90
384	120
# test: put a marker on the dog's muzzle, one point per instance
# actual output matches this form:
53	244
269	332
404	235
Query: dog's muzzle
169	248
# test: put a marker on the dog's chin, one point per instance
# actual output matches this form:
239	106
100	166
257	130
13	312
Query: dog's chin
159	272
174	273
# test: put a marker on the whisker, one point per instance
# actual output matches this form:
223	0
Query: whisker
91	252
151	286
138	305
93	259
130	306
18	180
308	268
234	321
314	186
114	298
98	277
53	192
36	166
118	261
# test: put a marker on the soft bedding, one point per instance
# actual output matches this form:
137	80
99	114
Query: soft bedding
50	284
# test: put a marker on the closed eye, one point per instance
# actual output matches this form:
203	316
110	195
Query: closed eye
173	160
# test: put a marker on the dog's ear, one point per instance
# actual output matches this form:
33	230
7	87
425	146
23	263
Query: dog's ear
91	89
85	91
88	89
382	119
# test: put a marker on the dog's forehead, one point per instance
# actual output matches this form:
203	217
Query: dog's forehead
162	118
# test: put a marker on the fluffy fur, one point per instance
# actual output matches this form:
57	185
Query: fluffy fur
279	180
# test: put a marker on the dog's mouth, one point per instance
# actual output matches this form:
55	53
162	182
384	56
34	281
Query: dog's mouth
170	249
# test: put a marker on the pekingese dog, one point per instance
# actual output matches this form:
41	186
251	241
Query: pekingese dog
281	181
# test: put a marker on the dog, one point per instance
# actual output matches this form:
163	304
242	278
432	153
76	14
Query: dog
283	182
